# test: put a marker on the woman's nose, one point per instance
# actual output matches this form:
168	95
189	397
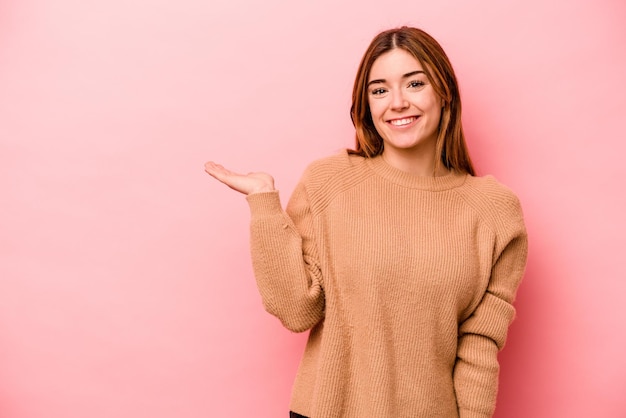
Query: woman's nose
398	100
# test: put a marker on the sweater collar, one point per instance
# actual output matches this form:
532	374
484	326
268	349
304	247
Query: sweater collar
402	178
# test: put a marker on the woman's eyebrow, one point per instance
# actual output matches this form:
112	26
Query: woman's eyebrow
407	75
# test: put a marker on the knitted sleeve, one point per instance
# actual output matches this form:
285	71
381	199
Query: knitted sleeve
284	259
484	332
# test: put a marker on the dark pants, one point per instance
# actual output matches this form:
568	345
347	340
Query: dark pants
294	415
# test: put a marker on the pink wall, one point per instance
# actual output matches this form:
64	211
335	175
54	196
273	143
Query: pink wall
125	281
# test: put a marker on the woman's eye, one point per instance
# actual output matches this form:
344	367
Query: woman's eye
416	84
378	91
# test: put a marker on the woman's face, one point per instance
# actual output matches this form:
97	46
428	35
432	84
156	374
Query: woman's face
404	107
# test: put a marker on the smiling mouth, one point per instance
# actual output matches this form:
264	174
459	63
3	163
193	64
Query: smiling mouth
403	121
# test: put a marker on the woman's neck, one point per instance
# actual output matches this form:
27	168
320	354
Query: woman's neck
419	164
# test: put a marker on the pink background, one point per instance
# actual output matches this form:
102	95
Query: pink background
125	280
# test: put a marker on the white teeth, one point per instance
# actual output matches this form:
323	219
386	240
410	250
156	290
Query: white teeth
401	122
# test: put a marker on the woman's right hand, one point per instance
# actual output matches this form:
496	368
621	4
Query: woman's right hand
243	183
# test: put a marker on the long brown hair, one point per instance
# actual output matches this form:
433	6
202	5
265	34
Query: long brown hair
451	146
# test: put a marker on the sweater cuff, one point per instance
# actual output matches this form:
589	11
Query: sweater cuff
264	203
466	413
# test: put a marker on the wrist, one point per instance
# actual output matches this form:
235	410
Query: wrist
262	189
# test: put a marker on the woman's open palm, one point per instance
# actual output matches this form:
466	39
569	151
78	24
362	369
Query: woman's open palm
243	183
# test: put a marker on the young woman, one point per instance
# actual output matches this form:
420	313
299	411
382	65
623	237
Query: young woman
402	263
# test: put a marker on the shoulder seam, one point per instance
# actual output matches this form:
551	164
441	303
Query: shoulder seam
324	190
496	222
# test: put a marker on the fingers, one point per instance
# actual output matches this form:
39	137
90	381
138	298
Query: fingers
211	167
243	183
217	170
231	179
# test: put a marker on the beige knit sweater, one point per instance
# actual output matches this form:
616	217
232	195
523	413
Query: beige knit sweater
406	283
